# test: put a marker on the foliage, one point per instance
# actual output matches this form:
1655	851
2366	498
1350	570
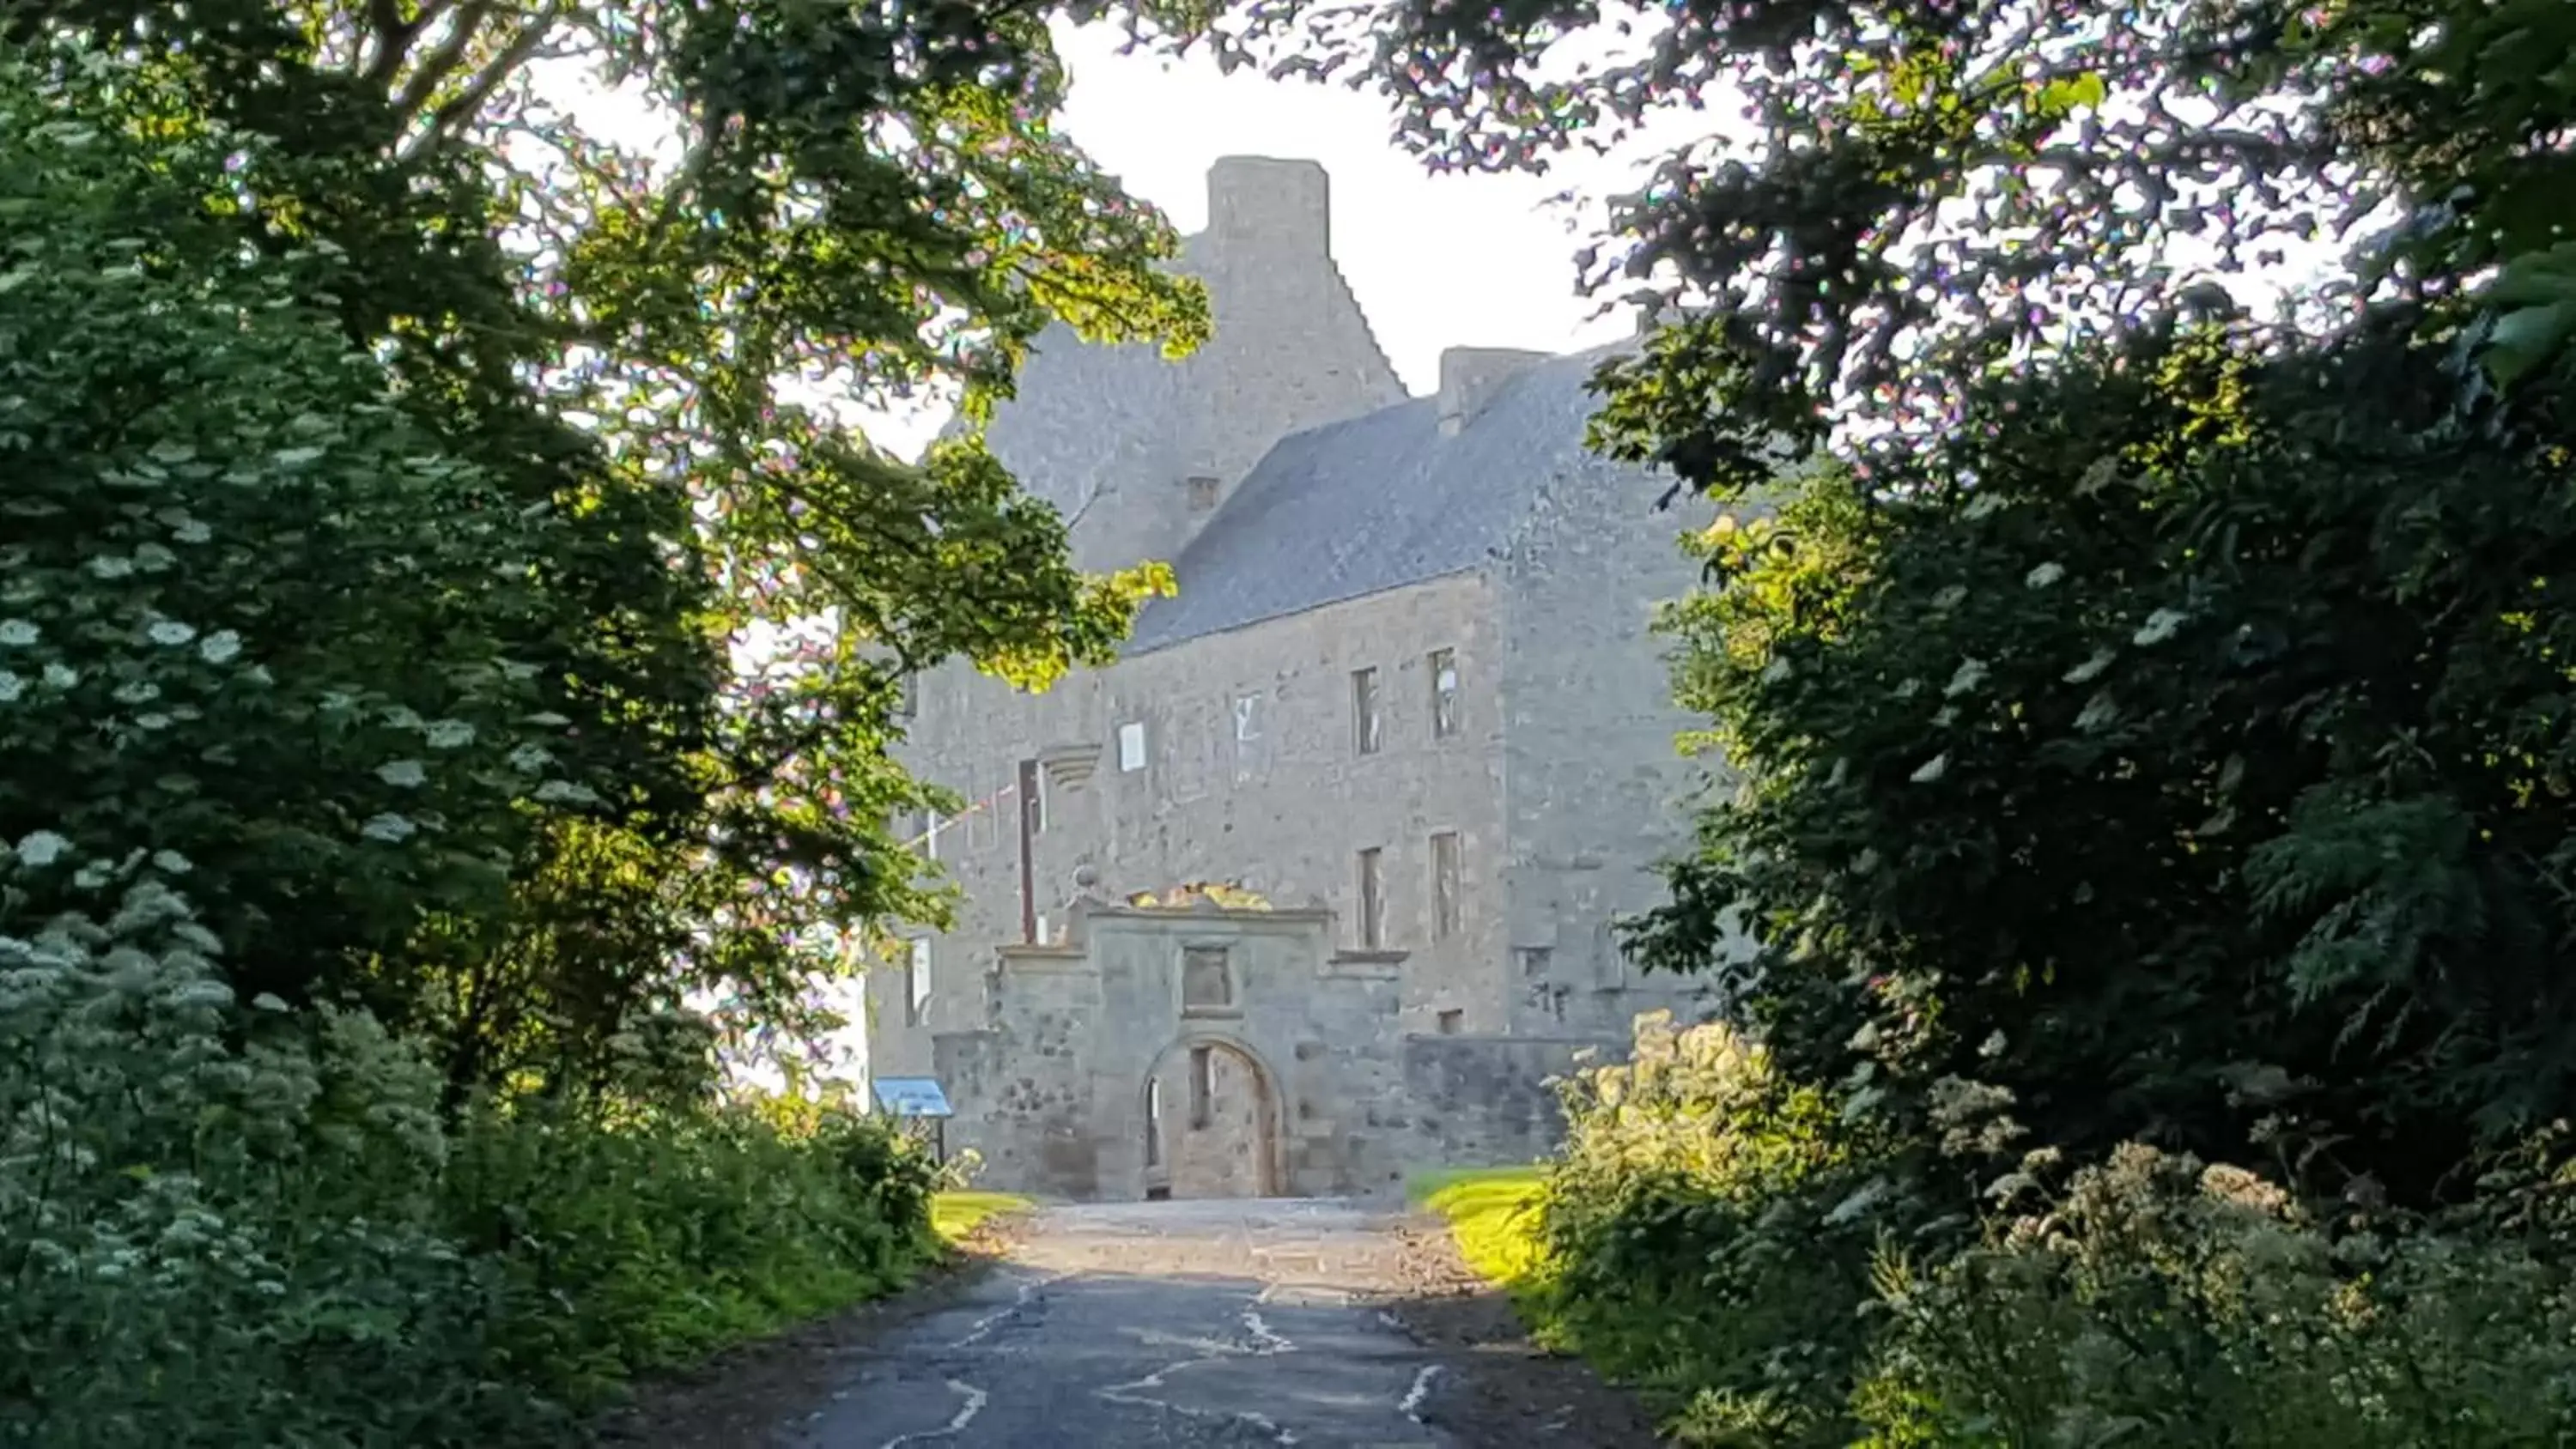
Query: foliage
2158	1300
1494	1214
2195	777
1701	1236
1913	196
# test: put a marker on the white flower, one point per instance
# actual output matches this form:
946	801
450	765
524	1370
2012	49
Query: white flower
220	646
2159	627
529	759
404	774
388	827
171	632
449	734
42	848
172	861
11	686
18	631
1972	672
137	691
1932	769
111	566
2044	575
61	676
2092	668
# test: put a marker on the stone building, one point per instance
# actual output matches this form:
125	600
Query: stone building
1407	695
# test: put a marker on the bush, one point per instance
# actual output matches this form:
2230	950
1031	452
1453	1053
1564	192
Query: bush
1693	1241
228	1228
2161	1302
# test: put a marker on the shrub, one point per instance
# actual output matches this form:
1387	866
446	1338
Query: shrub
2160	1302
1693	1241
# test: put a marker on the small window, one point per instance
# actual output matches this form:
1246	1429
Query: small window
916	972
1451	1021
1202	494
1131	746
1153	1123
1202	1087
1033	796
1536	961
1444	885
1444	693
1372	900
1206	984
1364	709
1247	718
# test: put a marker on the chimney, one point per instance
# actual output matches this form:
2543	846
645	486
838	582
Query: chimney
1469	378
1280	206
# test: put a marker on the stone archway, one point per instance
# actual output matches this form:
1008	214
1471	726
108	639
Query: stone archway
1211	1115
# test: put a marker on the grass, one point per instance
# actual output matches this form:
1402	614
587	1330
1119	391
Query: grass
955	1214
1492	1212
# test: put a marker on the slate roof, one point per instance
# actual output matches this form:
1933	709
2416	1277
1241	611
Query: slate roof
1374	503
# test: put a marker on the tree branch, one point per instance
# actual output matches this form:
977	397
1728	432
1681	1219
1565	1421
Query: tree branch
442	62
465	104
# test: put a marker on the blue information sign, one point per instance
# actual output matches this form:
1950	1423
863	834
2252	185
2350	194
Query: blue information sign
912	1096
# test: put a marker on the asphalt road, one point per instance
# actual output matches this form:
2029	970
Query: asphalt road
1151	1324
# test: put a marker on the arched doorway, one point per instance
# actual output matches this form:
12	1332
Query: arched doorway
1211	1123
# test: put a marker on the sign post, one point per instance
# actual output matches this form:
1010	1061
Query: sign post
911	1099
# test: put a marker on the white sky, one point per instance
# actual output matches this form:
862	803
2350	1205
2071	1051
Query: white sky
1437	261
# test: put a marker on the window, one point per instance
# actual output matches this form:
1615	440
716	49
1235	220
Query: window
1444	885
1206	985
1372	900
1444	693
1247	718
1451	1021
1202	494
1033	796
1131	746
1364	709
916	972
1153	1123
1535	961
1202	1086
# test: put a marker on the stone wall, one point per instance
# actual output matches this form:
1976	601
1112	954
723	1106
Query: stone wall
1597	794
1485	1101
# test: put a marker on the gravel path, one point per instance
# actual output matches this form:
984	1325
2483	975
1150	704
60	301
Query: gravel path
1315	1323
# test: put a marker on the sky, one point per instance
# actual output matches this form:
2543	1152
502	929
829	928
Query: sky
1437	261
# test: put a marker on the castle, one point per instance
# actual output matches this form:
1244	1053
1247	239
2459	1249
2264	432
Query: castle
1406	702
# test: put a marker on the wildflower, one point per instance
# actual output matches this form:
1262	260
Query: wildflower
403	774
41	848
171	632
2044	575
2159	627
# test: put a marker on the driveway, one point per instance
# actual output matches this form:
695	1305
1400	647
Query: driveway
1132	1325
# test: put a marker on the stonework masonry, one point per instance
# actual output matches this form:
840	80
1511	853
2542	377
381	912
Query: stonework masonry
1408	696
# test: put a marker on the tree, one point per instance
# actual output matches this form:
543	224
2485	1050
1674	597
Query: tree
858	204
1919	194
